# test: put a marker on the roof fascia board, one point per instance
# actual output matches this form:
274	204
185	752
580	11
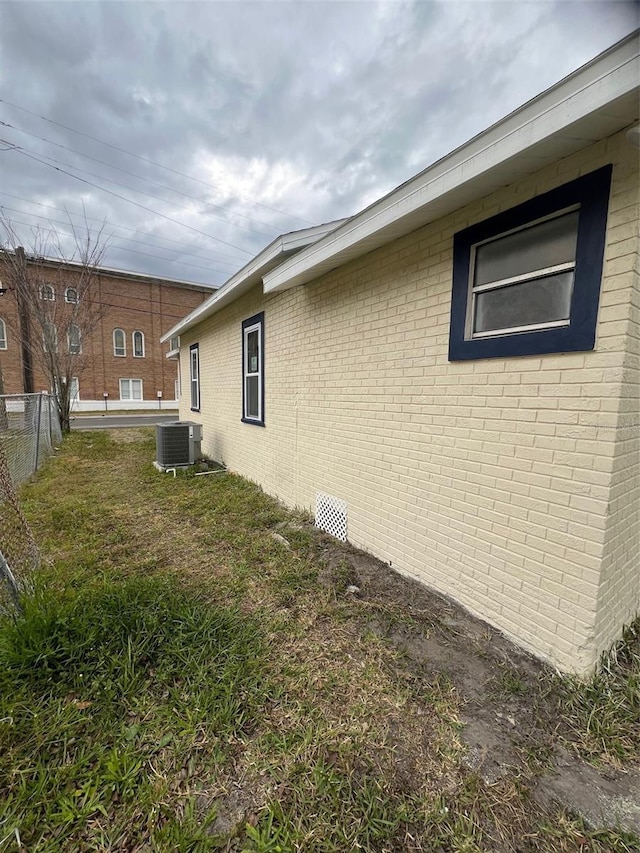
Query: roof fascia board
601	82
251	273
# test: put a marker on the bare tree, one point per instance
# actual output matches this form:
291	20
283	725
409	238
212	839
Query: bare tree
58	304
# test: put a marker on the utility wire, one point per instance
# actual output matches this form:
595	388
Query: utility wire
191	253
147	160
53	160
130	201
202	201
124	248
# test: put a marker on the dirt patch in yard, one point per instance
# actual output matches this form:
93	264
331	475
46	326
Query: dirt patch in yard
512	726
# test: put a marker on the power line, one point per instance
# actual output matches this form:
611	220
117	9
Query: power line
28	151
124	248
147	160
191	253
129	200
202	201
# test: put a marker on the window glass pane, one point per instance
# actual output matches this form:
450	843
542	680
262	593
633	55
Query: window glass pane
253	365
3	335
136	389
536	248
541	300
252	384
137	344
74	340
118	342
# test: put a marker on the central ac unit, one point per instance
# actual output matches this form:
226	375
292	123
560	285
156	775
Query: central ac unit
178	443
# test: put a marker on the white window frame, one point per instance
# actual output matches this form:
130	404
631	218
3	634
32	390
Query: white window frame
516	279
66	295
78	351
194	376
122	354
3	335
133	344
253	324
47	293
130	397
50	324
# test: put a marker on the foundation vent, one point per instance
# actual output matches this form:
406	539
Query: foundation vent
331	515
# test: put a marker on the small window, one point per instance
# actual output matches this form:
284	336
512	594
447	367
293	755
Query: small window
131	389
253	370
174	343
194	373
527	282
71	295
49	337
119	343
74	339
47	293
3	334
138	344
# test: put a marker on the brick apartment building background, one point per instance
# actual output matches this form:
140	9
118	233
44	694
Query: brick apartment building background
131	302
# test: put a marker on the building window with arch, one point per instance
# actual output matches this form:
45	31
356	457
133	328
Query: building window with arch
71	295
49	337
47	293
74	339
119	343
138	344
3	334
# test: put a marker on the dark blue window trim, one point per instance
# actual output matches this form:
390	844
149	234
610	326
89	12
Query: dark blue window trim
191	349
252	321
591	192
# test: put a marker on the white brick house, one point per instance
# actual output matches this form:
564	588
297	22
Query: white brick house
458	363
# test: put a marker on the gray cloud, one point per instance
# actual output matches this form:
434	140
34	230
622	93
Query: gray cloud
311	109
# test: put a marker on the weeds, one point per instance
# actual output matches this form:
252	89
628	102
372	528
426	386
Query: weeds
184	680
603	713
104	692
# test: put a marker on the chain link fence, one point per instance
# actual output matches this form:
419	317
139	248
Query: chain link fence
29	431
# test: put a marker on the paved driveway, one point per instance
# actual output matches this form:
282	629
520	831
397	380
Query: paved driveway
115	421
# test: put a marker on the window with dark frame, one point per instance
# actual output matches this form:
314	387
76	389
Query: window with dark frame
71	295
253	370
194	373
527	282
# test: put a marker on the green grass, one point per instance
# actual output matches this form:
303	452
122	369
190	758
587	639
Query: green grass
185	681
603	712
104	693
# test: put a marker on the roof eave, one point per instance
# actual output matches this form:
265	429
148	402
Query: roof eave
597	99
251	274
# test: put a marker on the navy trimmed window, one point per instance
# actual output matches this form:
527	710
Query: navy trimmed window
253	370
527	281
194	376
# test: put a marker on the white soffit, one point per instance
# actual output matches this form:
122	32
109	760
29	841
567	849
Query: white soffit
252	273
594	102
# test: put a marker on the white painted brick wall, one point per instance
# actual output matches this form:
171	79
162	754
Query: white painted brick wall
506	483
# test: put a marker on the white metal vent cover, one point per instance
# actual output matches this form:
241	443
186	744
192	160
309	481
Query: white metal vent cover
331	515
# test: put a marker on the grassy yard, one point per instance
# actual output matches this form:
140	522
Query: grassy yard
195	672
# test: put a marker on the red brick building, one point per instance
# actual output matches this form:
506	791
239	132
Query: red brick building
121	355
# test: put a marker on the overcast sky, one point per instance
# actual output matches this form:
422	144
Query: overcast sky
230	123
